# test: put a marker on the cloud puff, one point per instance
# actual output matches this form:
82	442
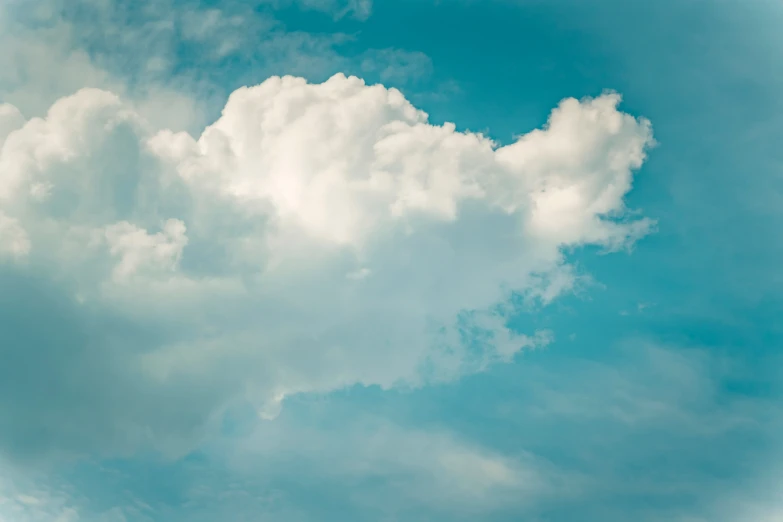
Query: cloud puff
316	236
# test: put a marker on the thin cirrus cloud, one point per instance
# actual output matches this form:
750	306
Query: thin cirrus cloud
431	469
357	9
316	236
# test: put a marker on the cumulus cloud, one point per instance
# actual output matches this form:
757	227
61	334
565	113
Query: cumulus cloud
315	236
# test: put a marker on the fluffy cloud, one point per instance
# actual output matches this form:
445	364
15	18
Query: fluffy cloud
316	236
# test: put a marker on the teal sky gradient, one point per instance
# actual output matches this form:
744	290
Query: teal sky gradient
660	396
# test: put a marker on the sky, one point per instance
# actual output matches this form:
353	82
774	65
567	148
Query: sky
391	260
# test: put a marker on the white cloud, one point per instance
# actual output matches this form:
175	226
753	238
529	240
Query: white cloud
243	246
137	249
13	239
10	120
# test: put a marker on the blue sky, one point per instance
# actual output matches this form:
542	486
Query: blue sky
329	307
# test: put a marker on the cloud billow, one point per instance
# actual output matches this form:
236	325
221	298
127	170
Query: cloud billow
316	236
